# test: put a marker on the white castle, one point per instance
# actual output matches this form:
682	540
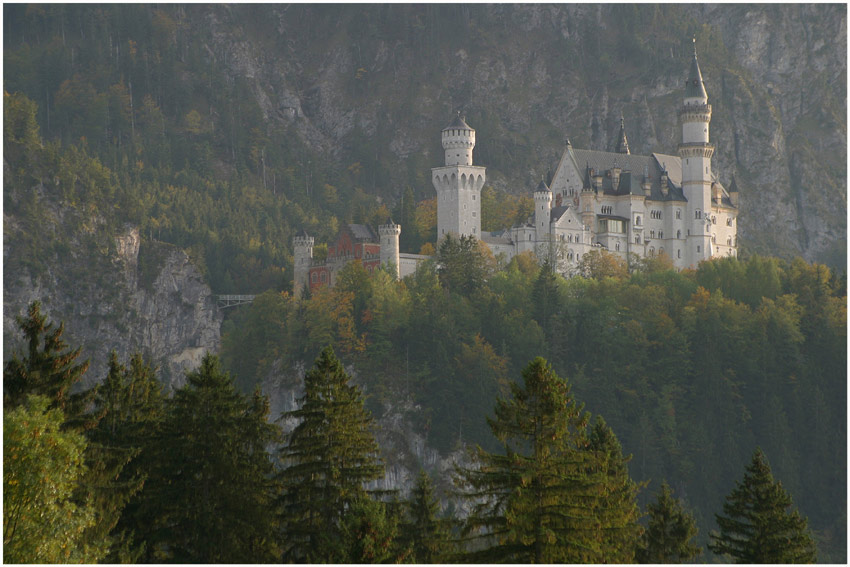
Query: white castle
623	203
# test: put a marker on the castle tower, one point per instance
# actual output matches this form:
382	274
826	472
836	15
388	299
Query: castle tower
458	183
542	210
389	245
695	152
302	246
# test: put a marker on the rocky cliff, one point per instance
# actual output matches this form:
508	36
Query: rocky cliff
112	290
381	82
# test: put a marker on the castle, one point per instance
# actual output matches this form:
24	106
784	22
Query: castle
623	203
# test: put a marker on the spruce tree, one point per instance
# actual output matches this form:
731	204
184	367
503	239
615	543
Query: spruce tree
209	495
328	459
534	503
615	508
48	368
129	405
427	535
758	524
669	534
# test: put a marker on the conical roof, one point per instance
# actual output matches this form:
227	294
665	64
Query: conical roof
542	187
694	87
458	123
302	234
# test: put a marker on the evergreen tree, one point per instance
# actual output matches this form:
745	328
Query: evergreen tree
615	509
130	406
42	466
427	534
668	537
368	534
47	369
535	503
463	266
758	524
328	458
209	497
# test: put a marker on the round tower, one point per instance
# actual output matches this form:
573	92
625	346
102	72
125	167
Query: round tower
458	183
695	152
389	245
302	248
458	142
542	209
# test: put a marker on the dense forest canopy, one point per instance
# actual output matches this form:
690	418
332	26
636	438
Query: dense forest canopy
147	114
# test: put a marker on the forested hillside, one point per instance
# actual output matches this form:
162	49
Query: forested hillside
135	135
692	370
230	127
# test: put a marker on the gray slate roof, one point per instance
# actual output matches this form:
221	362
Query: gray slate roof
695	87
362	232
458	123
633	169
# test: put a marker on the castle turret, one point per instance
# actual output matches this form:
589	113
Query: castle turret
542	209
302	247
458	183
695	152
622	142
389	245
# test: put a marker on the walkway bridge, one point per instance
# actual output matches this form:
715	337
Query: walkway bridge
225	301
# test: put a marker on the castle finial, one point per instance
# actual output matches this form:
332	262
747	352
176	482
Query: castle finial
623	142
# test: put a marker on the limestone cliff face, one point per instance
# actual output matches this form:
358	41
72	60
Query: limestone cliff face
529	75
112	297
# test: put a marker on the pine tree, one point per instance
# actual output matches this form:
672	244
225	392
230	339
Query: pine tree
758	524
427	535
209	496
129	404
615	509
47	369
668	537
328	459
535	502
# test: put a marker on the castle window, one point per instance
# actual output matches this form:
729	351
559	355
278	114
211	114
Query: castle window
617	246
678	253
714	238
313	277
637	239
324	277
473	213
678	234
728	221
660	234
607	210
678	213
652	234
637	220
529	237
698	214
651	251
728	241
713	219
473	197
698	249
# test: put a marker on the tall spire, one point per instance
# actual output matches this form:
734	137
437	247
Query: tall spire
622	142
694	87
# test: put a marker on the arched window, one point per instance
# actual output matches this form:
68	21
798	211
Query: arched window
637	239
617	246
678	213
652	251
698	214
678	234
660	234
728	221
313	277
728	241
698	249
713	219
637	220
678	253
